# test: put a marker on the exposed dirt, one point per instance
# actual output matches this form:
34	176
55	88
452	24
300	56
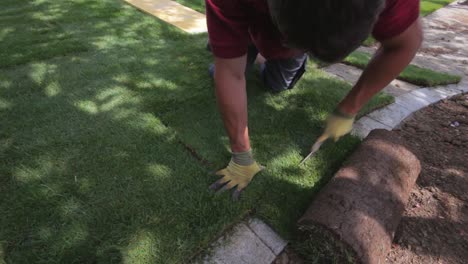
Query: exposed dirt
434	227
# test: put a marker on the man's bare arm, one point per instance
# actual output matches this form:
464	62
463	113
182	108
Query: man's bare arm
388	62
232	100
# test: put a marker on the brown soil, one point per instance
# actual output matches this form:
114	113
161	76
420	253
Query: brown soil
434	226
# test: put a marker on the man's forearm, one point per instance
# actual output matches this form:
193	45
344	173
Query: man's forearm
388	62
232	101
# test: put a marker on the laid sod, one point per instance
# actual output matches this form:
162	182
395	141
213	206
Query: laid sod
24	38
282	127
198	5
429	6
87	173
412	73
94	166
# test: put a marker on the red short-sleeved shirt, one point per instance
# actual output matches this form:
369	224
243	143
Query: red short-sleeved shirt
234	24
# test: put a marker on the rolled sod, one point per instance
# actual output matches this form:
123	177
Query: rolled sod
354	218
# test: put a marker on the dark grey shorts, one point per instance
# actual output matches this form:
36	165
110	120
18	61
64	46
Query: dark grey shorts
280	74
277	75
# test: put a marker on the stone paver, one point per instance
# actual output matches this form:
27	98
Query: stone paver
428	94
390	115
267	235
248	243
365	125
173	13
464	89
411	102
351	74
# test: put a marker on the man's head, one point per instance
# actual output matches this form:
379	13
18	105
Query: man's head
328	29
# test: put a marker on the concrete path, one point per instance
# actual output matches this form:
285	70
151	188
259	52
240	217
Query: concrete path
173	13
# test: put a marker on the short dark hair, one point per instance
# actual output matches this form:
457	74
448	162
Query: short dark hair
328	29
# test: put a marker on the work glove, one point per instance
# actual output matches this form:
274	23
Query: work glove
338	125
235	175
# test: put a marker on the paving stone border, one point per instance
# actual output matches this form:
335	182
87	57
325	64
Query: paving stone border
351	75
251	241
404	106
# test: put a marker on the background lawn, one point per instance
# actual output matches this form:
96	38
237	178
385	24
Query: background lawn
429	6
95	135
24	38
412	74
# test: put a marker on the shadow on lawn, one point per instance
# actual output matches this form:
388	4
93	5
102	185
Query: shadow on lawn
89	175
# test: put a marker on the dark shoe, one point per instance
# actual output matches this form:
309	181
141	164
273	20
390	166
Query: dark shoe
211	70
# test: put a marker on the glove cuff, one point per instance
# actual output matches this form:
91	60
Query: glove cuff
339	113
243	158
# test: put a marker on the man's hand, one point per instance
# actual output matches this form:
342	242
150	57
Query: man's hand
235	175
338	125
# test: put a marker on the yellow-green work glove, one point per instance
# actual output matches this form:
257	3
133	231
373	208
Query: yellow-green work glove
236	175
338	125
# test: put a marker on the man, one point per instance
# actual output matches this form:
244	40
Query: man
284	32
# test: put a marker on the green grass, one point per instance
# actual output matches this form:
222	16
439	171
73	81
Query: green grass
24	39
429	6
92	168
412	74
198	5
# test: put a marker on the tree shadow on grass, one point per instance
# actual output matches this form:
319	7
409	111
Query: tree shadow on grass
89	175
83	175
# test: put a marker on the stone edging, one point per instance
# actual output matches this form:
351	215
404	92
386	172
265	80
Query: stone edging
251	241
392	115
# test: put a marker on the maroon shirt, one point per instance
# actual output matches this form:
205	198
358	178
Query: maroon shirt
234	24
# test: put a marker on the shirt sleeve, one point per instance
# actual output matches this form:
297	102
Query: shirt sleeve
397	16
227	28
